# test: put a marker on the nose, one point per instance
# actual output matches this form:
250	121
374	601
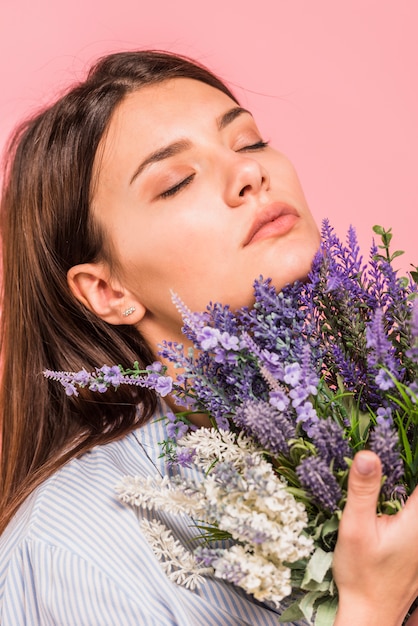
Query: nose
246	178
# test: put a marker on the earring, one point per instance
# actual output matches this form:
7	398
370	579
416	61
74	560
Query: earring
129	311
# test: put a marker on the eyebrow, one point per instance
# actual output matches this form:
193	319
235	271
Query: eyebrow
184	144
230	116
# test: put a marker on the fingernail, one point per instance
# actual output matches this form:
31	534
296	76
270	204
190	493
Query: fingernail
365	464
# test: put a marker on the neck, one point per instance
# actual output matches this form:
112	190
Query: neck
154	337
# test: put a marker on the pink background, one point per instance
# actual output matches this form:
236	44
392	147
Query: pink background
333	84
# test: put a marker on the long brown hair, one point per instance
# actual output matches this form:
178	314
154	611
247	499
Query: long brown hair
47	227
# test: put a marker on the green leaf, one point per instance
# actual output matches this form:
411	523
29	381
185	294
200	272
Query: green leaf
414	276
363	423
307	604
330	526
326	611
396	253
292	613
379	230
387	237
317	567
312	585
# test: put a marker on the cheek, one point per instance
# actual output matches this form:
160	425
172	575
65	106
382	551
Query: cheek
284	176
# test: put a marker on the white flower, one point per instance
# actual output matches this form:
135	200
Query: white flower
265	580
211	445
178	563
161	493
241	495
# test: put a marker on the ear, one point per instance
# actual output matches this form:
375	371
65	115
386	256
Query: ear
103	295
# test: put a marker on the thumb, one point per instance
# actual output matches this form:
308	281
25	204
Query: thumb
364	484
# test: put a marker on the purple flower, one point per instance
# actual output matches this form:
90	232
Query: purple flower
279	399
98	386
348	369
384	380
273	363
412	353
381	349
82	377
316	477
229	342
111	375
271	428
328	438
164	385
208	338
384	441
307	416
208	556
156	366
310	378
412	391
298	395
292	374
70	389
224	356
333	282
177	429
383	413
184	457
192	322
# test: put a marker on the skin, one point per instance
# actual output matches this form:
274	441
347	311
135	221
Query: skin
374	565
181	223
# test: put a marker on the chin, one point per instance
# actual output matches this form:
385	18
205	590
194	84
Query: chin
294	269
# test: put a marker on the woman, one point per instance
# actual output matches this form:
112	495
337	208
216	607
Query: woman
147	177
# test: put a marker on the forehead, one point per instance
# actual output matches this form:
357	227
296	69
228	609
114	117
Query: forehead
156	115
174	105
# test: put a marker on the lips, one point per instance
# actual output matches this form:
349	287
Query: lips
274	220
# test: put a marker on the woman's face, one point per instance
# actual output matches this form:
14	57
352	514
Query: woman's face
194	202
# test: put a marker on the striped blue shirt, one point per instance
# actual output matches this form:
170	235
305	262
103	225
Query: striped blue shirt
74	555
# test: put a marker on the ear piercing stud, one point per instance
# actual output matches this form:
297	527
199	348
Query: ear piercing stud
129	311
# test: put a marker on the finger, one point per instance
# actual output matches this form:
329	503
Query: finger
364	483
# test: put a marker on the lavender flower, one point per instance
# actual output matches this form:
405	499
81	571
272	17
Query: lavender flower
307	416
332	447
384	380
270	427
279	399
381	350
316	477
102	378
184	458
176	429
208	338
412	353
111	375
207	556
384	441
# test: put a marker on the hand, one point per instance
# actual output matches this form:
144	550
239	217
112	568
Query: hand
376	557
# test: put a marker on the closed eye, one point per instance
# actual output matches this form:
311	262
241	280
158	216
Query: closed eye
176	188
259	145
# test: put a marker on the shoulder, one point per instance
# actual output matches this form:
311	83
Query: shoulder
73	541
80	494
77	511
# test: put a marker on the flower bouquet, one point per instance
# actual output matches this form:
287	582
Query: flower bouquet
294	386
